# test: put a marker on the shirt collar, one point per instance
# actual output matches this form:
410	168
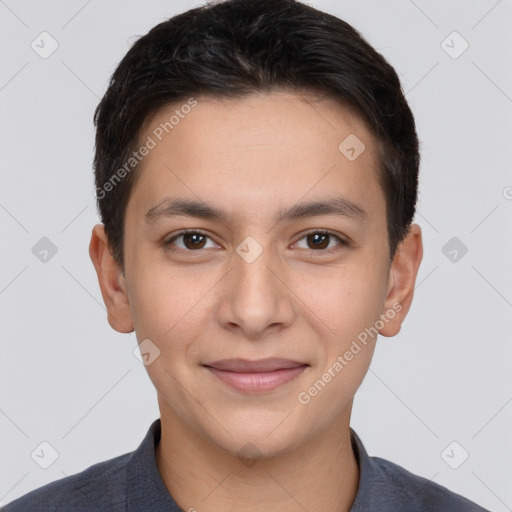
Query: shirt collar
362	501
145	489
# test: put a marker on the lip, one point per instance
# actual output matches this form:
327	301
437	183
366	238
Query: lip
256	376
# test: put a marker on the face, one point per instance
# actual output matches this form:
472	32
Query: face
261	318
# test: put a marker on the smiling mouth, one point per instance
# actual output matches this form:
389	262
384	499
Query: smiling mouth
256	376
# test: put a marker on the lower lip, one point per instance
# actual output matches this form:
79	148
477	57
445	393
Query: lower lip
258	382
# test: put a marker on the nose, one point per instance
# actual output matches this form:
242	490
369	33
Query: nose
256	297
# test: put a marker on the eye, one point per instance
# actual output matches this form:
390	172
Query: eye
321	240
192	240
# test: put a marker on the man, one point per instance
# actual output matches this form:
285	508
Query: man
256	169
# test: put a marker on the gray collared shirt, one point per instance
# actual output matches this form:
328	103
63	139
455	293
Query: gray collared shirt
132	483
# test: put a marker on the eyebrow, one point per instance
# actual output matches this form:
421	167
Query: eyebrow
169	207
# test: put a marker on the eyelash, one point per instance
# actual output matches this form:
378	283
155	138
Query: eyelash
342	242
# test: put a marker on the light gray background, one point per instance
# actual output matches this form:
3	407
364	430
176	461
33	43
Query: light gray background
68	379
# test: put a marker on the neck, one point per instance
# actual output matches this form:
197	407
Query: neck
321	474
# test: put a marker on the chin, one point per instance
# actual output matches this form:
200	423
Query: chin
260	434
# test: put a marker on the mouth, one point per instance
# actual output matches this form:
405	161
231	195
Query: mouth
256	376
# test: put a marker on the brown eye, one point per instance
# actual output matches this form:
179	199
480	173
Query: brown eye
194	241
190	240
320	241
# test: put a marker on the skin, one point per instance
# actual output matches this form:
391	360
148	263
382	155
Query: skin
253	158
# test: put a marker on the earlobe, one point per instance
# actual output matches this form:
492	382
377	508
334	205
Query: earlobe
111	280
402	280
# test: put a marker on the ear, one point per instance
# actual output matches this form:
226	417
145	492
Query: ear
112	282
402	278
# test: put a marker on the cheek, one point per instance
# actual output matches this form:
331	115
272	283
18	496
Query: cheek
345	301
348	306
166	308
171	314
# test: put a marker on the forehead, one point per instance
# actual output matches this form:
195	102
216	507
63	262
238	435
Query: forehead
258	120
270	149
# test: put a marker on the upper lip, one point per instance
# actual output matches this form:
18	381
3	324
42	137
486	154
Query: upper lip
258	366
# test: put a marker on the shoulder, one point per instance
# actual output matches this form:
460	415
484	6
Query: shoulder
101	485
414	493
386	486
